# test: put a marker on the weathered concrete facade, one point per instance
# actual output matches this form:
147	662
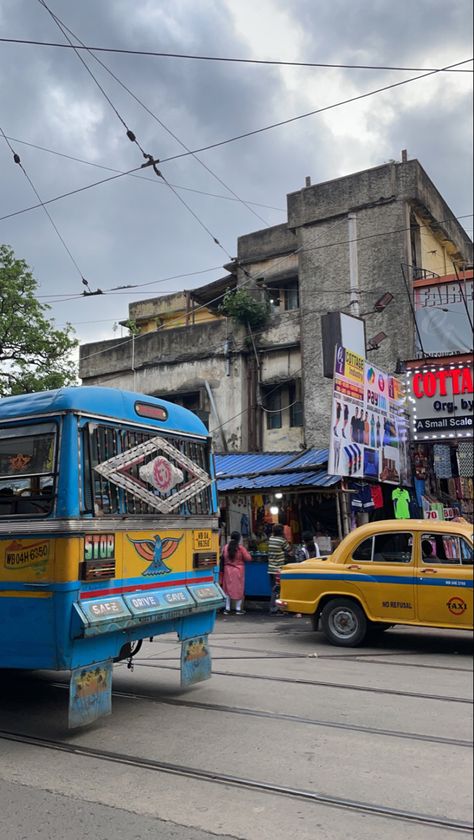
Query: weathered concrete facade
266	391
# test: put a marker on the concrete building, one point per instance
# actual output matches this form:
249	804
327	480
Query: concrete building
346	242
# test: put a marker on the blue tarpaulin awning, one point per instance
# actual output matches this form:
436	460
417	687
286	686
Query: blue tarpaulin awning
260	471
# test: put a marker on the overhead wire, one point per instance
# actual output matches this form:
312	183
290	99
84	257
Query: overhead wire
151	160
258	274
159	121
144	177
17	161
231	139
227	59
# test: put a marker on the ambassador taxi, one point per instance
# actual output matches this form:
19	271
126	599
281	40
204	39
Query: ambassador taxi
414	572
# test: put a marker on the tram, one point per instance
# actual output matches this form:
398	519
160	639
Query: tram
108	536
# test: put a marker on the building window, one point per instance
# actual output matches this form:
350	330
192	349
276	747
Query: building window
295	403
284	296
292	295
272	404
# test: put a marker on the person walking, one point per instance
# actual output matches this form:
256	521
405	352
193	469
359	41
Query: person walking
234	557
278	548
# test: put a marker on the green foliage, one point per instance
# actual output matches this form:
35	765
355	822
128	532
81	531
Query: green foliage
245	308
131	326
34	355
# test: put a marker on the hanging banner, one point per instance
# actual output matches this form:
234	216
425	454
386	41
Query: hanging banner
368	427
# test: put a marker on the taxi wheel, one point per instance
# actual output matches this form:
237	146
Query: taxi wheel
343	622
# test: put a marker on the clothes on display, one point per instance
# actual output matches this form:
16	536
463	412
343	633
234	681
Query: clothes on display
377	496
401	503
442	460
362	499
465	459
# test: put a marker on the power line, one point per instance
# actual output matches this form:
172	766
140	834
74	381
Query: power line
258	274
151	160
230	60
317	111
17	160
160	122
144	177
231	139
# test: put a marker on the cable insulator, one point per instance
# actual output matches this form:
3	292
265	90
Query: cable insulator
131	136
16	158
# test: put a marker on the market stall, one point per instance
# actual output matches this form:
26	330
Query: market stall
258	490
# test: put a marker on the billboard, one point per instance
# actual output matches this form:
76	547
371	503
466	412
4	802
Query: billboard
441	402
368	436
443	323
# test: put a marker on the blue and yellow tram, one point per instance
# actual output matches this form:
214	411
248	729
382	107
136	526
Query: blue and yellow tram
108	535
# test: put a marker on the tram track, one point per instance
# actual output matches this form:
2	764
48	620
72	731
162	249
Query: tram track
321	683
270	654
260	713
214	777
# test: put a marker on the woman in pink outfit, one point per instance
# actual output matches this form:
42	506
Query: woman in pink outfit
234	557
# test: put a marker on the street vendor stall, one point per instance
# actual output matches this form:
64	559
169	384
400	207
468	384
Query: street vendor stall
258	490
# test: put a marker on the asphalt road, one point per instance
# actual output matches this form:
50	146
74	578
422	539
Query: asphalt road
290	738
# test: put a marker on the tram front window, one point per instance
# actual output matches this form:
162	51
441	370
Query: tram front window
27	469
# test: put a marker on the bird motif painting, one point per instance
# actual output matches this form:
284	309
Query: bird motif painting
155	552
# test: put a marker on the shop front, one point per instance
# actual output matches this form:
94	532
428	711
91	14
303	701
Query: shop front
440	394
293	489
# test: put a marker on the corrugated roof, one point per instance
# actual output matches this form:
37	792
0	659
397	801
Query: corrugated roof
277	481
251	462
312	457
254	471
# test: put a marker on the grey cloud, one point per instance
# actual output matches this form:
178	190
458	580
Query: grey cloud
133	232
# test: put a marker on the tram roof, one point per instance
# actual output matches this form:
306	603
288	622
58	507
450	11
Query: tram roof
99	401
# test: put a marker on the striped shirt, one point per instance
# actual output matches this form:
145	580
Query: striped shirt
276	554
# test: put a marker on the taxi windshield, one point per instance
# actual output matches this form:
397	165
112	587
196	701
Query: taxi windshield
27	469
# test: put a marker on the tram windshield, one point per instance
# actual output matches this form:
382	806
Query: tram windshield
27	469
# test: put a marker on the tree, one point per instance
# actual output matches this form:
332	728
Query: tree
34	355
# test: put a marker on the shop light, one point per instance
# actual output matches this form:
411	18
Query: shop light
278	495
274	510
382	302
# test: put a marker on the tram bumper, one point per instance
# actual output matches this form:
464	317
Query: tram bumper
98	616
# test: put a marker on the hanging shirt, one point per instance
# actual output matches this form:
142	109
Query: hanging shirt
401	502
377	495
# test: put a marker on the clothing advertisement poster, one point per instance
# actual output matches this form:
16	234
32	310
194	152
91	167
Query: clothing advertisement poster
368	426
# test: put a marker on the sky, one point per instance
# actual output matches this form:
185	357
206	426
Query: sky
135	230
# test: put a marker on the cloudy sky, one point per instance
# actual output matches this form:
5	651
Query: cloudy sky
136	231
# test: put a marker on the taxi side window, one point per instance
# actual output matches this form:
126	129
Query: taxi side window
393	548
448	549
385	548
363	552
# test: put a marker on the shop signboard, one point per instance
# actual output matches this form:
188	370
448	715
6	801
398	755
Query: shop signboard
441	402
368	428
442	321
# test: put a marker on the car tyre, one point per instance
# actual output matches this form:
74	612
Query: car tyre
344	622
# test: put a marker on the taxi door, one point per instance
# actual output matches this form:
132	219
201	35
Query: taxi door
444	579
383	569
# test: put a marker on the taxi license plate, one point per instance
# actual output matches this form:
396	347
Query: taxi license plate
202	540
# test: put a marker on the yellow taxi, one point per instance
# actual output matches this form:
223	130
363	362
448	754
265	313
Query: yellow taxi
416	572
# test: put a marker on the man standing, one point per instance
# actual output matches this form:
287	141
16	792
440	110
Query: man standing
278	548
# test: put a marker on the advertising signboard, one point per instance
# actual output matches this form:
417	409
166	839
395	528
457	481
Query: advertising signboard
441	402
368	427
444	325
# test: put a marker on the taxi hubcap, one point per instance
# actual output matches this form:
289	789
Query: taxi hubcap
343	623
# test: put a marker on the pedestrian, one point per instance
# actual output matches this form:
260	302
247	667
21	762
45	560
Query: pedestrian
309	547
234	557
278	551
